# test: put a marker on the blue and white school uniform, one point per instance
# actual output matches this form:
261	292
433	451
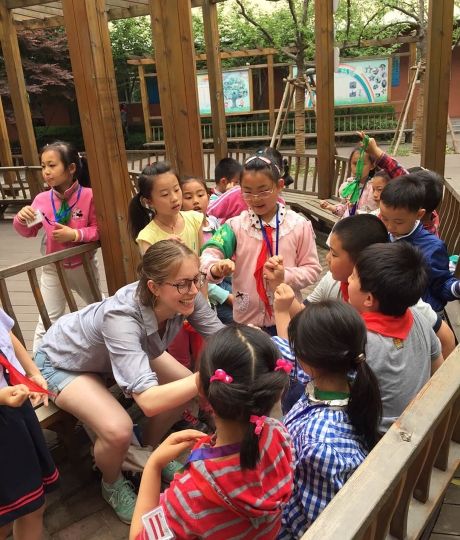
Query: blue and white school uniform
327	452
27	470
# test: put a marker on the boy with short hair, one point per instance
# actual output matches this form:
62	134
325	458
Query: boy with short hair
401	349
433	183
401	210
226	175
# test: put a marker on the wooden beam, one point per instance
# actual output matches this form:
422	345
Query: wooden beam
216	88
437	82
145	103
19	97
175	60
324	40
94	76
223	55
6	157
271	92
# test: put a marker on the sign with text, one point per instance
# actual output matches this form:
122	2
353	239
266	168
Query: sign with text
237	91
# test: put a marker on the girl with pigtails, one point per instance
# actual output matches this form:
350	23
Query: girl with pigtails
334	424
242	377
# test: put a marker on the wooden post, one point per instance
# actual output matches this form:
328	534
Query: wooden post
145	103
6	158
19	97
437	82
175	60
216	90
324	39
92	67
271	92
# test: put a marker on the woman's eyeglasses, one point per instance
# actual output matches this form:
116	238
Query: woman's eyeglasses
185	286
261	195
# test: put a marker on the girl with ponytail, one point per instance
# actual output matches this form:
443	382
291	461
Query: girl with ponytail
334	424
242	377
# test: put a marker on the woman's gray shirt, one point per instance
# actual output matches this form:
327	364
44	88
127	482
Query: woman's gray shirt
120	335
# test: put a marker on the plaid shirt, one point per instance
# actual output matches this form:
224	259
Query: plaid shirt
328	451
390	165
287	354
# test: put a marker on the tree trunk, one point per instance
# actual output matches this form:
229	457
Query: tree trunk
299	120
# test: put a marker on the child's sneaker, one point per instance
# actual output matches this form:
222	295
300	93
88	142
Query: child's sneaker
121	497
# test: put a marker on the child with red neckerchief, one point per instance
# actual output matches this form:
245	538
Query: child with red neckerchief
242	377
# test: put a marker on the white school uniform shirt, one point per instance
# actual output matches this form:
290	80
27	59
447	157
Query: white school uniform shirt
6	346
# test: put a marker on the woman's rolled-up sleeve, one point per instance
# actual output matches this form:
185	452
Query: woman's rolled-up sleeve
130	363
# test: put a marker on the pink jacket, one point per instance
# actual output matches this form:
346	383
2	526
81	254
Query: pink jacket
296	244
83	219
229	204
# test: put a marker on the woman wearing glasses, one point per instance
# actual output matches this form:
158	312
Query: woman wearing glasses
245	243
126	336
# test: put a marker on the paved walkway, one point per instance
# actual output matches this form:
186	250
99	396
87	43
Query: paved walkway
76	511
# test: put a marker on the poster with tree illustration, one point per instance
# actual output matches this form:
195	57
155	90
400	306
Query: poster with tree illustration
237	91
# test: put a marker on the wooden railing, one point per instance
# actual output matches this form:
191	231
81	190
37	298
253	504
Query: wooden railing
30	267
399	486
449	213
259	129
302	168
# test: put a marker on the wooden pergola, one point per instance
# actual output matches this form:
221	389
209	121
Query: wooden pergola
86	25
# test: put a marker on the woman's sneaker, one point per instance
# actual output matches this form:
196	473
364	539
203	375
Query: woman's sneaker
121	497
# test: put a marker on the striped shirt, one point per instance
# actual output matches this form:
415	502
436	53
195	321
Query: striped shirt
214	498
327	452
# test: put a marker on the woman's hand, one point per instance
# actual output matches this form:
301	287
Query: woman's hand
14	396
222	268
36	397
26	214
173	446
62	233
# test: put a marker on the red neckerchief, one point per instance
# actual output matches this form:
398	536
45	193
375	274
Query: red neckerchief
344	290
387	325
259	271
16	377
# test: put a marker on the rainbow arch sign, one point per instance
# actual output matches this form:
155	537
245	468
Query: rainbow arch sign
359	82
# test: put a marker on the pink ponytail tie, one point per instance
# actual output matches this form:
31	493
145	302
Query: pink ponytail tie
259	421
220	375
283	365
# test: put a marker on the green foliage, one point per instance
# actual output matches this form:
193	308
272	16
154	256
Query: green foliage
47	134
129	37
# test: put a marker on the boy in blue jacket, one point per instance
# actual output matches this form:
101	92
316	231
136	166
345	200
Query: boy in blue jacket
401	209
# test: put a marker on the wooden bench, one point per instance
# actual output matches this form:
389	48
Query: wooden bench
449	231
14	189
398	488
50	416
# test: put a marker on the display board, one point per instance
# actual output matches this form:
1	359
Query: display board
237	91
360	81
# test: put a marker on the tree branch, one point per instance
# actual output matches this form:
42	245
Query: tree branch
347	32
294	16
255	23
406	12
306	5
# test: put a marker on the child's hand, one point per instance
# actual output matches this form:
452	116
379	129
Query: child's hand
274	271
222	268
373	148
26	214
62	233
173	446
283	297
36	397
14	396
230	299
